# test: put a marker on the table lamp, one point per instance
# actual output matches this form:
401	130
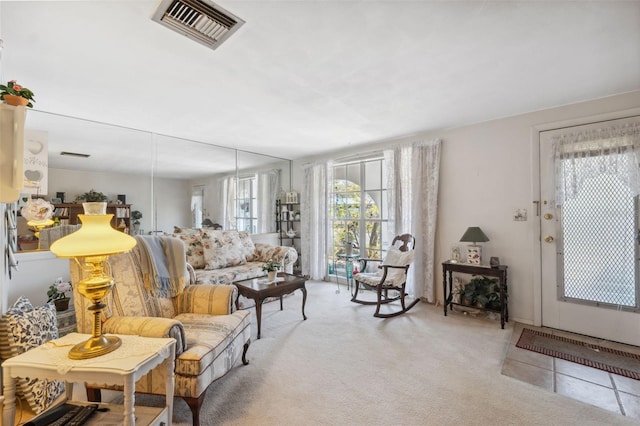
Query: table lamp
90	246
474	235
38	213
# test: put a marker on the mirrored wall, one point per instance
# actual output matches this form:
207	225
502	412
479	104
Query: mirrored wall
170	181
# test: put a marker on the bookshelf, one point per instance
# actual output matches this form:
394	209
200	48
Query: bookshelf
288	228
68	213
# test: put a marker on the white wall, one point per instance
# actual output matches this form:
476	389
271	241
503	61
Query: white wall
488	171
173	204
36	272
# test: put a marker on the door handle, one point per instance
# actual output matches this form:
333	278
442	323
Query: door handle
548	216
548	239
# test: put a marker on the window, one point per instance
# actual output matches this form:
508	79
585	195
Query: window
197	203
246	205
357	207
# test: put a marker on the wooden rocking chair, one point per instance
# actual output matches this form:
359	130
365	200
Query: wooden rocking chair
389	283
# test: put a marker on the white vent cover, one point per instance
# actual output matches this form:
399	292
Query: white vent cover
199	20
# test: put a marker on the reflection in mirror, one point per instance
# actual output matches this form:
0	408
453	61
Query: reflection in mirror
260	181
115	161
187	195
169	181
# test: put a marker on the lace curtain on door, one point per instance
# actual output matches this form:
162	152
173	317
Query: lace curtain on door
614	150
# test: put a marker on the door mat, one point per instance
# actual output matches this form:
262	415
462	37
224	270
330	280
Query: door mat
612	360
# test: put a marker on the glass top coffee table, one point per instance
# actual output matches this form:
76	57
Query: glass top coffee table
261	288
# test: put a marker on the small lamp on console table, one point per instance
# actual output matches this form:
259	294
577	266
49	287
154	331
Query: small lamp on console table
38	213
90	246
474	235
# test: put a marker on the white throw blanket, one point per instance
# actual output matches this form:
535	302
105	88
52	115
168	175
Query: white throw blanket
162	263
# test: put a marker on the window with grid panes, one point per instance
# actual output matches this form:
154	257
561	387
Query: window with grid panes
246	205
358	211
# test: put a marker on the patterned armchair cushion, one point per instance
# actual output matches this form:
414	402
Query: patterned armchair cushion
208	336
22	329
222	249
128	297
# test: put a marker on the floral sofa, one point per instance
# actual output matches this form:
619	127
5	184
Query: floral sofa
222	257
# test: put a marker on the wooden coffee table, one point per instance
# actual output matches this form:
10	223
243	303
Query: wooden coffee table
260	288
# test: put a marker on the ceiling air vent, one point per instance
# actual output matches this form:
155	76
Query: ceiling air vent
199	20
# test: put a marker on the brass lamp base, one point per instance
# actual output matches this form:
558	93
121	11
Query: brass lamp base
95	346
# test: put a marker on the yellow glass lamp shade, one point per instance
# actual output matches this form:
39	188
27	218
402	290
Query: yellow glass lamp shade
93	243
96	237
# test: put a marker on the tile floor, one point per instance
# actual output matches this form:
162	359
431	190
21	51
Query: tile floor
592	386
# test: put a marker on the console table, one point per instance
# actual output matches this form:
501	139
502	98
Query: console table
499	272
123	367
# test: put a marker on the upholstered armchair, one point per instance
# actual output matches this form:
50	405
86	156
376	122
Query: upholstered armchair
210	334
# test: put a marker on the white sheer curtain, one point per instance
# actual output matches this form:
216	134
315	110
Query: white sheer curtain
227	206
413	172
612	151
268	187
314	227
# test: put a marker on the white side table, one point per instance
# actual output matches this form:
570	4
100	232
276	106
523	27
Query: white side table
122	367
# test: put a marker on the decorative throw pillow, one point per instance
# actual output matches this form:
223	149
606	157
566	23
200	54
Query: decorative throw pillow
23	304
396	257
21	330
222	249
248	247
194	249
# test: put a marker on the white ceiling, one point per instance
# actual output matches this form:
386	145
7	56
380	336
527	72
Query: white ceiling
306	77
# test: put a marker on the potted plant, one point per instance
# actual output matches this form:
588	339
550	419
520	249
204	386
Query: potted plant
57	294
14	94
136	215
91	197
483	292
271	267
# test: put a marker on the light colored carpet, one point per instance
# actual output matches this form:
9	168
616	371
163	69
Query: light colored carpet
342	366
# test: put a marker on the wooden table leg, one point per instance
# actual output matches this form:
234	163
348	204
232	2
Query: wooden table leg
259	314
304	299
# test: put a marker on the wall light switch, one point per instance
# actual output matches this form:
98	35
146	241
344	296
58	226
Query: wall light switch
520	215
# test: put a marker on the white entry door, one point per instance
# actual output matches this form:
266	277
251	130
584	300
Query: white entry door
589	246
